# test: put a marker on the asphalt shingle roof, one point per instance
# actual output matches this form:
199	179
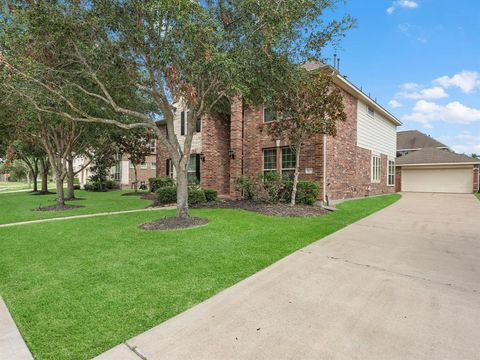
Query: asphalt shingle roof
434	156
414	139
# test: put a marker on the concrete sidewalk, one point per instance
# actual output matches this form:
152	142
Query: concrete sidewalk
86	216
403	283
12	345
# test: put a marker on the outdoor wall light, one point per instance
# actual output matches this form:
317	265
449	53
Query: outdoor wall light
231	154
202	157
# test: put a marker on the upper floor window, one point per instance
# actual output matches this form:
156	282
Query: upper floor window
391	173
198	125
269	160
183	121
269	114
375	168
153	146
289	162
370	111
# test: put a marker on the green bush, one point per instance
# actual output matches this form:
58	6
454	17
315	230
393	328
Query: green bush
156	183
96	186
307	192
167	195
211	195
246	185
76	181
112	184
196	196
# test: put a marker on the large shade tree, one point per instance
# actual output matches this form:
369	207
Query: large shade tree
95	59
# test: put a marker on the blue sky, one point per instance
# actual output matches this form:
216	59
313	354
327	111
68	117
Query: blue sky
421	60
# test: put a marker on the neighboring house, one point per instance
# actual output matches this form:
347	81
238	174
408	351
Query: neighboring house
123	170
414	140
358	162
426	165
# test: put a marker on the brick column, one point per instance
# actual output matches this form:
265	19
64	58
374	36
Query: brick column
236	141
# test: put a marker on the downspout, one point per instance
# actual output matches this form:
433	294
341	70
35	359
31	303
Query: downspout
324	169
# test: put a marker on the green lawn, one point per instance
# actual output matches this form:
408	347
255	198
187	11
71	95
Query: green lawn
9	186
16	207
79	287
478	195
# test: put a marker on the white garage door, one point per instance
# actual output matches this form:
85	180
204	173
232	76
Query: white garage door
453	180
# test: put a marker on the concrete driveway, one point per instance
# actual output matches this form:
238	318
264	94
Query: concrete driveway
403	283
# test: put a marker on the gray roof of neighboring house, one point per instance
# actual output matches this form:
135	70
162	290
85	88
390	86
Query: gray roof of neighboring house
414	139
434	156
310	65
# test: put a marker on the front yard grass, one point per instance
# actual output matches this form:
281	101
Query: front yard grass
15	207
76	288
478	195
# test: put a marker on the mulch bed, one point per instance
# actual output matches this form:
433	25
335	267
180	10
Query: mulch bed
172	223
58	208
140	193
279	209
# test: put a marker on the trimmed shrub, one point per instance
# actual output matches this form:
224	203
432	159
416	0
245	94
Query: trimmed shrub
112	184
156	183
246	185
307	192
167	195
196	196
76	187
211	195
96	186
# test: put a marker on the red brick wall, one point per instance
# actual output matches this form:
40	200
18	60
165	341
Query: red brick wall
476	184
349	166
398	179
215	170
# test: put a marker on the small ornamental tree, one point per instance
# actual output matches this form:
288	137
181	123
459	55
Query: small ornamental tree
137	145
310	106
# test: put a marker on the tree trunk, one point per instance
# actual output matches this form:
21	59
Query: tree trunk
59	182
135	185
35	175
182	192
70	178
44	176
295	176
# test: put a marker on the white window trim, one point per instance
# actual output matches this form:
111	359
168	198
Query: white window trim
388	172
153	165
263	115
368	111
375	179
281	162
263	160
143	166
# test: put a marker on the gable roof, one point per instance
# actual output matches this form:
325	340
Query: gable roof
414	140
350	88
434	155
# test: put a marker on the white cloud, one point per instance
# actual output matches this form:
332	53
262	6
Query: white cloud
432	93
394	104
414	32
467	81
467	143
410	86
427	112
407	4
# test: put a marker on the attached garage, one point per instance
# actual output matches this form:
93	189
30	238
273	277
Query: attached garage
438	171
434	179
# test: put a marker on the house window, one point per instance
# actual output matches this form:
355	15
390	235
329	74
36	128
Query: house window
198	125
269	114
143	165
194	169
153	166
153	147
269	160
370	111
375	168
131	165
289	161
183	115
391	173
169	167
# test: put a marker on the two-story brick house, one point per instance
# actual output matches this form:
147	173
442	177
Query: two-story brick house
359	161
